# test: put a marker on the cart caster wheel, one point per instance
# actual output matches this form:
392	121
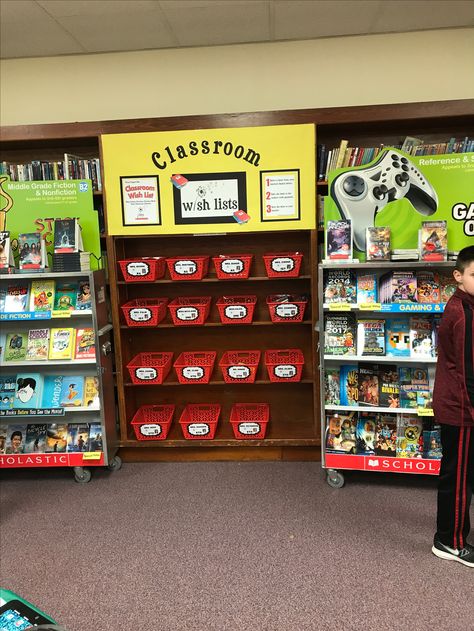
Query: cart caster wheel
335	479
115	464
81	475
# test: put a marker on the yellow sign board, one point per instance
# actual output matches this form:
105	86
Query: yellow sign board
231	180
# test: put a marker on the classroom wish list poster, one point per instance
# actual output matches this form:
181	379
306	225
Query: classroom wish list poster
140	201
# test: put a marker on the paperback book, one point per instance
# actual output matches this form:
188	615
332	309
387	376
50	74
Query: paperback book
434	241
77	437
85	344
412	380
37	345
91	393
30	251
428	289
52	391
409	437
397	337
331	386
389	386
369	385
421	338
17	297
386	435
378	243
7	391
61	343
16	434
340	334
365	433
42	295
95	437
66	237
84	298
432	447
349	384
72	391
366	288
6	254
15	347
65	297
35	438
447	286
29	391
56	438
339	240
371	336
340	286
341	433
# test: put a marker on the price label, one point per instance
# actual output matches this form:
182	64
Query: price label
60	314
91	455
339	306
425	412
370	306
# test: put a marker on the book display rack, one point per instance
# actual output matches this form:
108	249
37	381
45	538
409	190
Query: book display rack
293	430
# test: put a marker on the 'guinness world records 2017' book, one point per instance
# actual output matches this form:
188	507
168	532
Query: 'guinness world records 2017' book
340	334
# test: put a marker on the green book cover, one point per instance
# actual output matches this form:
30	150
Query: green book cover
15	347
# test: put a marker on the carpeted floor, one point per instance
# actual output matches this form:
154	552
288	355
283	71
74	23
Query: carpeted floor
230	547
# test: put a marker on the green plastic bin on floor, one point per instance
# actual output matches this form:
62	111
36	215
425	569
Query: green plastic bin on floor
17	614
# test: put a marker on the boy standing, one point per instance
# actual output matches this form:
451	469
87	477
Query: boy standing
453	403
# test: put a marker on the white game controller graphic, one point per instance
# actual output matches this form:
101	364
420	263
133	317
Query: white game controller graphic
362	193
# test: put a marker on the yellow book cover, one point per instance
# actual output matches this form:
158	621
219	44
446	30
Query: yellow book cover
61	343
91	393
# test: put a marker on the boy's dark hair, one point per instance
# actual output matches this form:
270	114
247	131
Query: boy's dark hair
465	258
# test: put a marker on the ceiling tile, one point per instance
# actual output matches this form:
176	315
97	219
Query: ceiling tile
20	10
70	8
219	22
307	20
129	31
404	15
44	38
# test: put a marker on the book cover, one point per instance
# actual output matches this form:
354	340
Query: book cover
84	297
6	254
35	438
72	391
432	443
331	386
366	288
29	246
85	344
52	391
421	338
340	334
3	438
17	296
42	295
339	240
369	385
341	433
15	347
16	434
428	287
389	386
371	336
61	343
447	286
91	393
397	337
434	241
339	286
29	391
403	287
378	243
77	437
37	345
65	236
409	437
7	391
349	384
365	433
65	297
56	438
412	379
386	435
95	437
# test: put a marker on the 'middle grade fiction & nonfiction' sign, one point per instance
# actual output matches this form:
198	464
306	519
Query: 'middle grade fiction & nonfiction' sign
210	180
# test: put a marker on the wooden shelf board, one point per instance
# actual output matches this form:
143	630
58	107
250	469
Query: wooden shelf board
168	325
214	279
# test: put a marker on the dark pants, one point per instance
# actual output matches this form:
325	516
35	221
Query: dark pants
456	482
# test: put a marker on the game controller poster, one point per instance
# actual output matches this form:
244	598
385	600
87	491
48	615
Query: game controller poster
402	191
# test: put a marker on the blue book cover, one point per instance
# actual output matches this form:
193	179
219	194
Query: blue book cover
95	438
397	337
52	391
366	288
7	391
349	383
29	391
72	391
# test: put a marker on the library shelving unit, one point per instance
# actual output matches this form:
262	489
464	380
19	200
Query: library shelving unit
100	367
333	462
292	404
363	125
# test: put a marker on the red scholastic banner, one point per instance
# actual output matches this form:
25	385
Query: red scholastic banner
381	463
12	461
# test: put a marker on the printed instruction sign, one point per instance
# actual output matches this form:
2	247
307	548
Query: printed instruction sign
140	201
280	195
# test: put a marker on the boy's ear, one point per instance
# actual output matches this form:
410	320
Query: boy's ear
457	276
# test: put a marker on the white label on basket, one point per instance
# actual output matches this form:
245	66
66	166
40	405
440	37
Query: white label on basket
232	266
235	312
198	429
193	372
283	264
145	374
141	314
249	428
288	310
239	372
187	313
151	429
185	267
138	268
285	371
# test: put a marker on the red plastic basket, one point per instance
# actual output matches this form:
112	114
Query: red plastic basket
150	368
145	269
190	311
188	267
199	420
285	364
236	309
283	264
286	307
195	367
152	422
239	366
145	311
232	266
249	420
